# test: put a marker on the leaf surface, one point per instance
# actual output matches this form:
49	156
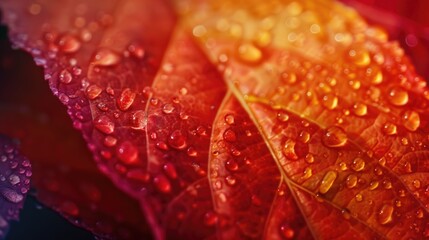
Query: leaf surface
241	119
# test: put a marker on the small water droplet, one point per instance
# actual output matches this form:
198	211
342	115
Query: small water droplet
65	77
104	124
282	116
136	50
93	91
411	120
177	140
210	218
327	181
389	128
289	78
417	183
229	119
373	185
358	164
192	152
360	109
249	53
398	96
170	170
69	44
69	208
304	136
351	181
286	231
308	172
110	141
231	165
168	108
360	57
309	158
230	180
126	99
385	214
358	197
12	195
229	135
330	101
127	153
289	149
106	58
139	120
162	183
334	137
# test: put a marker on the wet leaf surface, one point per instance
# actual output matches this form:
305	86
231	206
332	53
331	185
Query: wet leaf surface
238	120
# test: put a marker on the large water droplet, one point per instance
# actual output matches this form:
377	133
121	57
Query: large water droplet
398	96
139	120
69	44
358	164
385	214
127	152
411	120
334	137
126	99
177	140
104	124
327	181
106	58
93	91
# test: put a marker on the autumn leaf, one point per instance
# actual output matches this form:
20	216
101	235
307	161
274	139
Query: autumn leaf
241	119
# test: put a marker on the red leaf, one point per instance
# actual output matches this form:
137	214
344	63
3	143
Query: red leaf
271	119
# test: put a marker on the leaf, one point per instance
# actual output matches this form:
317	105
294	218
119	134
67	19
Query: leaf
65	176
237	120
15	172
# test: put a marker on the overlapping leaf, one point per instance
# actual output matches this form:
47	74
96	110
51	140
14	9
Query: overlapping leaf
241	119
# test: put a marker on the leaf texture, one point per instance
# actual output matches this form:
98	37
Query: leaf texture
238	119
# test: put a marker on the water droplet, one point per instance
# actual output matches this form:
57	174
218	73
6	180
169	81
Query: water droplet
334	137
385	214
162	183
230	180
360	57
327	181
170	170
126	99
229	135
14	179
106	58
231	165
420	213
417	183
360	109
282	116
304	136
351	181
249	53
192	152
69	44
12	195
139	120
65	77
286	231
104	124
389	128
289	149
168	108
411	120
127	153
358	197
309	158
330	101
398	96
110	141
136	50
177	140
308	172
373	185
93	91
358	164
161	146
210	218
229	119
289	78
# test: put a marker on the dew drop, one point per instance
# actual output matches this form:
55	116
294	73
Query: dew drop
110	141
351	181
286	231
65	77
411	120
334	137
104	124
417	183
231	165
327	181
309	158
360	57
106	58
304	136
358	197
289	78
385	214
229	119
93	91
170	170
136	50
192	152
69	44
330	101
162	183
229	135
398	96
168	108
139	120
210	218
177	140
14	179
289	149
308	172
161	146
360	109
126	99
282	116
373	185
249	53
230	180
358	164
127	153
389	128
11	195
